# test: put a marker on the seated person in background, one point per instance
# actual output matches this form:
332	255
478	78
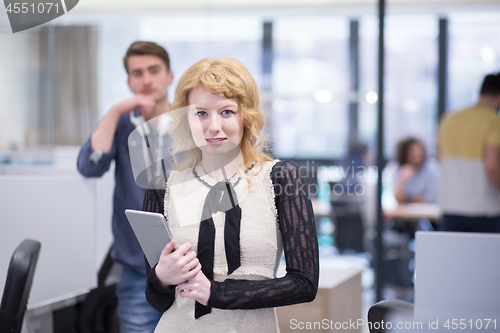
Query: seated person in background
232	210
416	179
412	178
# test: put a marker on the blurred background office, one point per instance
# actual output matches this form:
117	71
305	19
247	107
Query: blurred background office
316	65
311	61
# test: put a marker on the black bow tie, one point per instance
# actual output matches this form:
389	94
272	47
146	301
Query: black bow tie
220	198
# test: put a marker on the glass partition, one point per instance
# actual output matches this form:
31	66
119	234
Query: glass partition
474	51
310	86
410	79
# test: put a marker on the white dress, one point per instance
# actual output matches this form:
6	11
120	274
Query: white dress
260	244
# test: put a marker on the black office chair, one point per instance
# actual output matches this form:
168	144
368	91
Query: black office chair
384	311
18	285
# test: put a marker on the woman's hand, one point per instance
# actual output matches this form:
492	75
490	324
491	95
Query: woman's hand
407	171
197	288
177	266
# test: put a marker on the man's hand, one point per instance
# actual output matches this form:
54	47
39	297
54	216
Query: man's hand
102	137
175	267
145	103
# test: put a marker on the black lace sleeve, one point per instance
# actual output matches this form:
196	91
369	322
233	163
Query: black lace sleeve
298	230
157	295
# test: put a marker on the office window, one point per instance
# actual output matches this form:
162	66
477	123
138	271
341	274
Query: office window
368	86
411	58
47	89
187	38
474	51
310	87
190	38
116	33
19	89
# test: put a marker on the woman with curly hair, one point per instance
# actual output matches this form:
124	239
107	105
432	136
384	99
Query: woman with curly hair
416	179
232	211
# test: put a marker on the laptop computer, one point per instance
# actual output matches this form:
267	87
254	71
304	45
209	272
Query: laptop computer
457	284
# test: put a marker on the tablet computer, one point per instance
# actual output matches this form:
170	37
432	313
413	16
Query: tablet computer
151	231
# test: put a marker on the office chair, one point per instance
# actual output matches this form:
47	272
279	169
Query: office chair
18	285
384	311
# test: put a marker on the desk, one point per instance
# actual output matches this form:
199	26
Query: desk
398	253
338	301
415	212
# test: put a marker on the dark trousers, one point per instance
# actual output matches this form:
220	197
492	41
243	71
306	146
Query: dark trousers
471	224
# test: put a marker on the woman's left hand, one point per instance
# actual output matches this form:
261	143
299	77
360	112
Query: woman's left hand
197	288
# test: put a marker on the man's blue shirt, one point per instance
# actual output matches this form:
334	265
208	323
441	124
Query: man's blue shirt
127	195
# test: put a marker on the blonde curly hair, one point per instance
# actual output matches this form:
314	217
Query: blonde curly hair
227	76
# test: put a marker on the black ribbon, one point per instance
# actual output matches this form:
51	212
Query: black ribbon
220	198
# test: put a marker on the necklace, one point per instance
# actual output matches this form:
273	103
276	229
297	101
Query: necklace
197	176
215	179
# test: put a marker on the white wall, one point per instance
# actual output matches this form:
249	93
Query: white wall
68	214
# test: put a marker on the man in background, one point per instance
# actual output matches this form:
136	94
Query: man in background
469	152
149	76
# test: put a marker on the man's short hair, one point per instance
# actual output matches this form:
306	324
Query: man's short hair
146	48
491	85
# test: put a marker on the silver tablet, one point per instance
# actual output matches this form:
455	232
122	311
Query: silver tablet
151	231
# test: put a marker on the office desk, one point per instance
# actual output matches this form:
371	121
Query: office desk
398	253
338	302
415	212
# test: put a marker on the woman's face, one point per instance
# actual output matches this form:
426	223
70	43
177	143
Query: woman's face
416	154
216	122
